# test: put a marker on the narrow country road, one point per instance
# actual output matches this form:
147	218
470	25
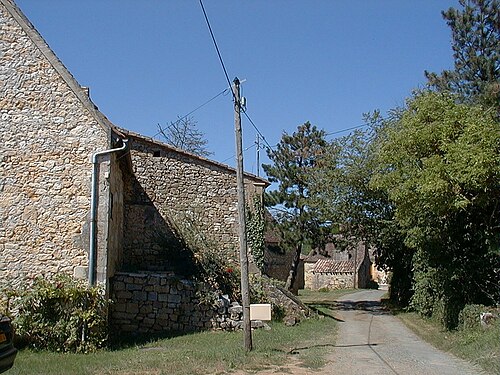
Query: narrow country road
373	342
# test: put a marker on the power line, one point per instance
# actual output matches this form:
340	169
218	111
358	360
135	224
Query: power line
257	130
347	129
194	110
232	157
216	46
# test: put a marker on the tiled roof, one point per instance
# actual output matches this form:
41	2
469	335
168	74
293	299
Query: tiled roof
332	266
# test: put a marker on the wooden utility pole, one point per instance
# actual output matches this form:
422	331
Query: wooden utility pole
257	143
245	290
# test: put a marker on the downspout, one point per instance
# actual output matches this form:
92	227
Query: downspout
93	209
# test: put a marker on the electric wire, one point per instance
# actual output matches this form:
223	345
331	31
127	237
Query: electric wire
216	47
234	156
193	111
257	130
346	129
271	148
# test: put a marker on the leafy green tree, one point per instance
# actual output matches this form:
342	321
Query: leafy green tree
440	166
476	51
343	195
341	189
185	135
294	159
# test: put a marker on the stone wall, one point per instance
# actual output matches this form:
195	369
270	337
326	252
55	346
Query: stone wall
277	264
161	303
47	135
174	192
336	280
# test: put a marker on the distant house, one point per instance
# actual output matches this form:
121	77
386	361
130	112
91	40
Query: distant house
50	218
339	270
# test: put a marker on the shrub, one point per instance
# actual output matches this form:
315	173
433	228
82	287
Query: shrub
62	314
469	317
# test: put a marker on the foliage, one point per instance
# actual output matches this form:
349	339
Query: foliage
294	159
215	270
255	232
440	166
469	317
341	190
62	314
476	49
184	134
344	196
204	260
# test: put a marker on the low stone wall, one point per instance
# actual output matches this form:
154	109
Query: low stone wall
161	303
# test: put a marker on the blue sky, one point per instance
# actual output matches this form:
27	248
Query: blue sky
324	61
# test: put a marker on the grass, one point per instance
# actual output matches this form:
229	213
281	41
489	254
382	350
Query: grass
479	346
197	353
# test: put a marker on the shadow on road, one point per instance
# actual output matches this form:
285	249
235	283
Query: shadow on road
327	308
373	307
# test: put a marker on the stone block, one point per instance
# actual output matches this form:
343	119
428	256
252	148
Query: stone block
132	307
174	298
139	296
123	294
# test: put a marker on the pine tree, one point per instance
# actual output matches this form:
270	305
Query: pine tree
476	51
295	158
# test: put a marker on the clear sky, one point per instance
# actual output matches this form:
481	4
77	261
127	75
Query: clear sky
148	62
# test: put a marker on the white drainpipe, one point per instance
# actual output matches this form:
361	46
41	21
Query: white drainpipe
93	209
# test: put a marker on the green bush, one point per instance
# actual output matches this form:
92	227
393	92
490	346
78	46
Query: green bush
372	284
469	317
62	314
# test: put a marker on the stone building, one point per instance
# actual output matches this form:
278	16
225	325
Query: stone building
145	190
338	271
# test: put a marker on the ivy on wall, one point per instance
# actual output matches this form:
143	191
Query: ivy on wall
255	232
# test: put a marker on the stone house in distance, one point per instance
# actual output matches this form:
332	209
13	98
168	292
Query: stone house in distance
340	270
49	131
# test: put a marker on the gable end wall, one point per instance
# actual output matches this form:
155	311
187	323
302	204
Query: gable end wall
46	139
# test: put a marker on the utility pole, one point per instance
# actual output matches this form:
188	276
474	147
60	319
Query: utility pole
245	293
257	143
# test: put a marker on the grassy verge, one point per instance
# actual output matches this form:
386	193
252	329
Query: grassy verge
479	346
198	353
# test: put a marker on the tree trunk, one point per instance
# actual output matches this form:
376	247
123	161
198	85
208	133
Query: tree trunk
292	276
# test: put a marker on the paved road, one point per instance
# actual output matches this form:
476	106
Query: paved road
372	342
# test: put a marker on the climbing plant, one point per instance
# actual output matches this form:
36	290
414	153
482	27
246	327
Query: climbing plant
255	232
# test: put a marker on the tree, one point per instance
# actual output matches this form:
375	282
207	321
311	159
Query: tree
340	186
184	134
294	159
343	195
476	50
440	166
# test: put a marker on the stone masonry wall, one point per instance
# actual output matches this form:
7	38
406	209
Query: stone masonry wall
159	303
46	139
172	189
